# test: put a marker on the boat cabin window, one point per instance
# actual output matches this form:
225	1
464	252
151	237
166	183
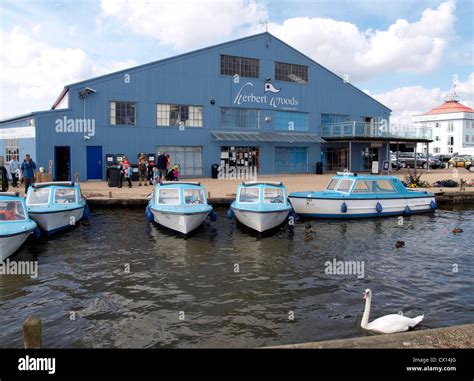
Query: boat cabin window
38	196
194	196
345	185
373	186
12	211
168	196
249	195
273	196
332	184
65	196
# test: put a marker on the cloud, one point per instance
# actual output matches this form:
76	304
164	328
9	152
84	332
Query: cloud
344	48
34	73
186	24
414	100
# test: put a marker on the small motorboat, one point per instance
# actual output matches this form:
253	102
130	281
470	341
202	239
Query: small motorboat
56	205
178	205
15	224
350	195
260	205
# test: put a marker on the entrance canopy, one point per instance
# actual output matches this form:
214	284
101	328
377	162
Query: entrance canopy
266	137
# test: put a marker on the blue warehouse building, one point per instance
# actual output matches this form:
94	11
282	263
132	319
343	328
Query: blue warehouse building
252	102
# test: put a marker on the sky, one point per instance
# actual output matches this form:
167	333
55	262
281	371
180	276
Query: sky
405	53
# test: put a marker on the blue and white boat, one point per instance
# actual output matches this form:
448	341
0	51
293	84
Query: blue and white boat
350	195
260	205
56	205
15	224
179	205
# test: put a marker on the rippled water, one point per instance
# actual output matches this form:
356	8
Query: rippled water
83	271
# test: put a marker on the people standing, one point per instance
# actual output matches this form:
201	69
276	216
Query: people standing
142	170
28	170
125	170
14	169
162	164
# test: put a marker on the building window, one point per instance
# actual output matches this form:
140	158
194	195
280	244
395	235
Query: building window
244	67
450	140
467	138
450	127
437	125
437	150
239	118
178	115
122	113
291	72
291	121
437	138
450	149
333	118
12	149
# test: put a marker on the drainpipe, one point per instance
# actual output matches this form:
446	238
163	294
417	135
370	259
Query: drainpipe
388	157
416	161
350	155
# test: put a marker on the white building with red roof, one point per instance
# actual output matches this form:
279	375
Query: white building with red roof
453	127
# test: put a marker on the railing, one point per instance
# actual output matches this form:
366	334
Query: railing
353	129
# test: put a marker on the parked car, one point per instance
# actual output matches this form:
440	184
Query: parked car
407	160
393	161
460	161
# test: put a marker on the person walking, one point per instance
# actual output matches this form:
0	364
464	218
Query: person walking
142	170
162	164
28	171
14	169
125	170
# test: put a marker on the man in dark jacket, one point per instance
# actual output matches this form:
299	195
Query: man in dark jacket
161	164
28	169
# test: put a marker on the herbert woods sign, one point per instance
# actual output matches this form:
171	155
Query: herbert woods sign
245	96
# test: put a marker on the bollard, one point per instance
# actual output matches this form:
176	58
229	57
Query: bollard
110	194
32	332
208	195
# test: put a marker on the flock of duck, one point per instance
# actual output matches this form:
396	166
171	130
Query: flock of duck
262	206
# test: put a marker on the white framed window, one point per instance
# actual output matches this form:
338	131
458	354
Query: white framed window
168	196
273	196
437	150
168	115
123	113
250	195
450	149
437	138
437	125
64	196
12	149
466	138
194	196
12	211
450	127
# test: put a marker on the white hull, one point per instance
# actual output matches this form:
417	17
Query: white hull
261	221
183	223
51	222
359	208
8	245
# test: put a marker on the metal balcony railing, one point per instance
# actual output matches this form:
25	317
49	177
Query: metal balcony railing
353	129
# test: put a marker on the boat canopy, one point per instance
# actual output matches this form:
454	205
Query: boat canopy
274	183
54	183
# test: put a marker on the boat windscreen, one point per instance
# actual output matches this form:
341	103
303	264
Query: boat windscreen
332	184
249	195
273	196
373	186
12	211
39	196
194	196
345	185
168	196
64	196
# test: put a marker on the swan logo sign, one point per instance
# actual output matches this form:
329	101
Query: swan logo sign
247	96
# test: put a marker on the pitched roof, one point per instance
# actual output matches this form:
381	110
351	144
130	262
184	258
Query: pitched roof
449	107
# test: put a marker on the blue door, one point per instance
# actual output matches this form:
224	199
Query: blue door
94	163
291	159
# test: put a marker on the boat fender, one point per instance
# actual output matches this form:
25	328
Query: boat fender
230	214
213	216
433	204
87	213
407	210
37	232
379	207
148	214
344	208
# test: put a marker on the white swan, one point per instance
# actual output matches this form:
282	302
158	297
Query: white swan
388	323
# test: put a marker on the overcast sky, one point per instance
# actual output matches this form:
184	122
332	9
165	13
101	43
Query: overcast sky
403	52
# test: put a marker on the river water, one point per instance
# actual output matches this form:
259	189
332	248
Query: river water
122	282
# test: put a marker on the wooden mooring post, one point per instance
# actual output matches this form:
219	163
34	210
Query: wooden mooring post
32	332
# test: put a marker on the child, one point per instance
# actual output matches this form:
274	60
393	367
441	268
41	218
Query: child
156	175
176	172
